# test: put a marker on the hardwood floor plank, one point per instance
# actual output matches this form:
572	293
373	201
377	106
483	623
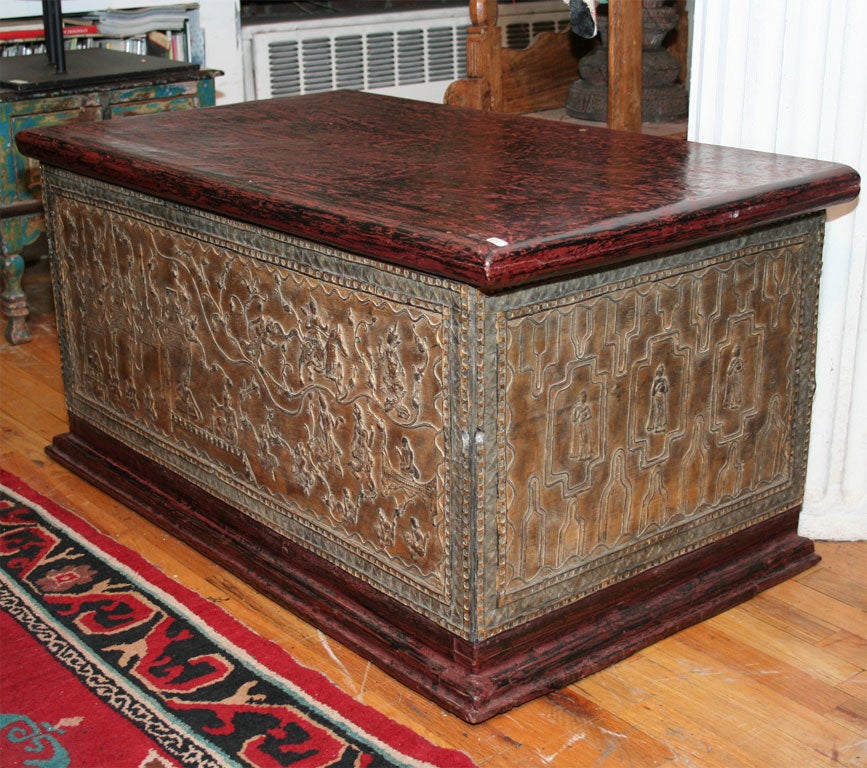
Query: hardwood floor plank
739	659
821	605
789	618
581	723
853	713
843	576
790	715
719	723
856	686
625	684
27	386
696	735
33	425
819	663
850	647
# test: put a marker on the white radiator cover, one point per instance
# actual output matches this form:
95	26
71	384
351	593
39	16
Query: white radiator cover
790	76
414	54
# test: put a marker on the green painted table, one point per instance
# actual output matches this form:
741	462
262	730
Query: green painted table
99	85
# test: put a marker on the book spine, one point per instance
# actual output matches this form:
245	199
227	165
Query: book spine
10	35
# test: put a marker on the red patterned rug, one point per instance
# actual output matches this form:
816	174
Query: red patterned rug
107	663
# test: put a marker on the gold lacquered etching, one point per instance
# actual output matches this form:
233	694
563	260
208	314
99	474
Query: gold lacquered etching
645	418
315	401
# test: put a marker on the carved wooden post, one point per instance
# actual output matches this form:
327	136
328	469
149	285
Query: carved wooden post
13	302
624	65
483	87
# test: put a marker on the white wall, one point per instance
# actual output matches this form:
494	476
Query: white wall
790	76
220	20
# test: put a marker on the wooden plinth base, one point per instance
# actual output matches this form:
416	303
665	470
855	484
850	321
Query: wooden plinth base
473	680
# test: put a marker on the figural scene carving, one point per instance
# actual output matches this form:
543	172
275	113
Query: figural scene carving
323	403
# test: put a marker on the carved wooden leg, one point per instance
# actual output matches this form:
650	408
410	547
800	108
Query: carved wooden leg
14	302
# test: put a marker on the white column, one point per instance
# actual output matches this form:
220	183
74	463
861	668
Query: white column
790	76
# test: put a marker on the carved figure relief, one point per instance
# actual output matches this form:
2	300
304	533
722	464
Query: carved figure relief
738	359
657	416
581	399
582	446
417	539
407	459
733	397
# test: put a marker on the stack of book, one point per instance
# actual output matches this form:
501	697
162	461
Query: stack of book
154	31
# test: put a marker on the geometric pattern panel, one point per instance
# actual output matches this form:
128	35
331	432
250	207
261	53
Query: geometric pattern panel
638	417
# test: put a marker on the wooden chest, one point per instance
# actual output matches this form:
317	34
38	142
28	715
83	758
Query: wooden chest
495	401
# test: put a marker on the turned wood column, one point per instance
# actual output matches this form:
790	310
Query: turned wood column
624	65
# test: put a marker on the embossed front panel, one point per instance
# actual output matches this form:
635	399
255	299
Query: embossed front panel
304	386
647	411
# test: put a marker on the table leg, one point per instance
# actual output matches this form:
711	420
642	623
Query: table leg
14	302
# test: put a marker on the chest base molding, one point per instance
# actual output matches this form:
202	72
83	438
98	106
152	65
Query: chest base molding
472	680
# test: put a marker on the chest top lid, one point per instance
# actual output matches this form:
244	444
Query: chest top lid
492	200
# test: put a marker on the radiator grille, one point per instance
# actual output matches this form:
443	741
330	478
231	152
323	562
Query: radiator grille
378	59
386	52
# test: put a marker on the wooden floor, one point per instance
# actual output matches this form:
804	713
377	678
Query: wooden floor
777	682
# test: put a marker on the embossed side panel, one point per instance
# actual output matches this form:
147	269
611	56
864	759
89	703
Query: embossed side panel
306	387
646	411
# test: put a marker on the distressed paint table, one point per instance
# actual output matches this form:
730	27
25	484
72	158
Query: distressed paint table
100	84
496	401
